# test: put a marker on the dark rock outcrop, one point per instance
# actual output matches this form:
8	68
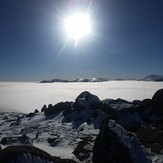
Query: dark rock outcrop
157	103
62	106
116	145
36	111
87	108
144	105
151	138
16	140
43	108
30	115
28	154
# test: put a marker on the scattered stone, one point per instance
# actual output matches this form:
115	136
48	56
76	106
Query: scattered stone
5	118
15	123
30	115
36	111
136	102
53	141
43	108
37	134
62	106
50	106
81	152
16	140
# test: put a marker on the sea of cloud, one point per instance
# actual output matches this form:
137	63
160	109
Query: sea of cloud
26	96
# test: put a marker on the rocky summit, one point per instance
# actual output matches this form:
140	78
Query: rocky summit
85	130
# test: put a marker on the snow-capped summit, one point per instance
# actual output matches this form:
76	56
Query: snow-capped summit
91	80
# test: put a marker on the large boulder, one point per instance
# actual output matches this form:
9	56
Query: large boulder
157	103
28	154
114	144
87	108
151	138
86	100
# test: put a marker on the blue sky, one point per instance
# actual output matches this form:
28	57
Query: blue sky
127	40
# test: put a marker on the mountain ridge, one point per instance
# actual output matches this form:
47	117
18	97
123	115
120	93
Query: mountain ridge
155	78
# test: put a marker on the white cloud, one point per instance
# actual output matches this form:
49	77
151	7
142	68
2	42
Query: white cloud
25	97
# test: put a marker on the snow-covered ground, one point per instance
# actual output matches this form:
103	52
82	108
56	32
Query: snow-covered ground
54	137
26	96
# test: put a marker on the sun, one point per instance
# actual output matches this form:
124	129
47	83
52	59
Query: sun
78	26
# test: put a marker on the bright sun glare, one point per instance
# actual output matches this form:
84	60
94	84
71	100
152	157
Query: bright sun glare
78	26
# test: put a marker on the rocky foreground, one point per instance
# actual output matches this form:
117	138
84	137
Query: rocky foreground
87	130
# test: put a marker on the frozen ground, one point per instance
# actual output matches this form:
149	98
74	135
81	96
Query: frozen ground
25	96
63	138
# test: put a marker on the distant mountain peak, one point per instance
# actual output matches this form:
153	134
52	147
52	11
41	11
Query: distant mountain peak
153	78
